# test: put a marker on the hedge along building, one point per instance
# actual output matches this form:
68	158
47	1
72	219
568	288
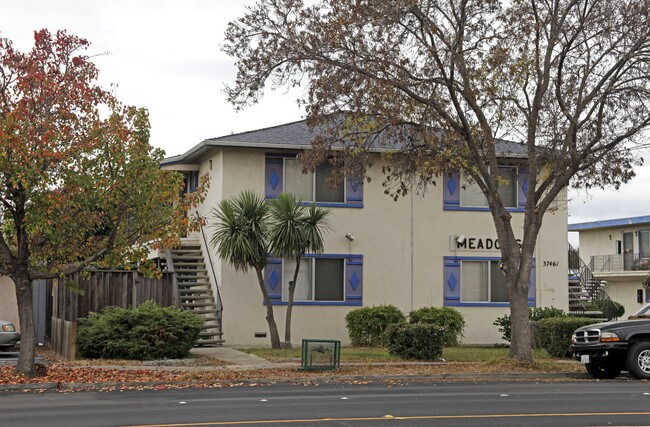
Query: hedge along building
436	249
617	251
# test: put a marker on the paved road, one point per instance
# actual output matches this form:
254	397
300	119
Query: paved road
418	404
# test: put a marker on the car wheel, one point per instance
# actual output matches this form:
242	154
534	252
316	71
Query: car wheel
605	370
638	360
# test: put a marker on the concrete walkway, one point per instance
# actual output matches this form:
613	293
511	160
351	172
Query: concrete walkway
238	359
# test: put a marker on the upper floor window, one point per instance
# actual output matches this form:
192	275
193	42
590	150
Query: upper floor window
191	181
461	194
283	173
472	196
312	187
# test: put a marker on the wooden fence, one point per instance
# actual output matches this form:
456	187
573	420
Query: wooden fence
77	295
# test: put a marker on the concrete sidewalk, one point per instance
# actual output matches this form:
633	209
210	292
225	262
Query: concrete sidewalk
237	359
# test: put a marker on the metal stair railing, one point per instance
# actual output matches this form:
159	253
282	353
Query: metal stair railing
214	276
589	284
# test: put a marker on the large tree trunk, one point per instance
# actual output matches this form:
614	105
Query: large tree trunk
292	290
520	344
270	319
26	316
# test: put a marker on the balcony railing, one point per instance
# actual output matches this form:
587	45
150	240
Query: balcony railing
620	262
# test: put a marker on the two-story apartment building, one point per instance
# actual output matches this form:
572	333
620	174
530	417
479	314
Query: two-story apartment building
618	253
432	249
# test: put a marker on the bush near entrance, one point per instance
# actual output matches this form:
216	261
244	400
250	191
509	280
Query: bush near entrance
146	332
445	317
367	325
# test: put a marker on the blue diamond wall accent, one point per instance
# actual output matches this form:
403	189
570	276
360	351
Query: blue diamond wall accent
274	179
451	185
525	187
354	184
452	282
354	281
273	279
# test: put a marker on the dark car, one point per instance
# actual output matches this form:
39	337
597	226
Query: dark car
608	348
8	335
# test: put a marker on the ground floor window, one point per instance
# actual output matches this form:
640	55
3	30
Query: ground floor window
478	281
483	281
319	279
323	279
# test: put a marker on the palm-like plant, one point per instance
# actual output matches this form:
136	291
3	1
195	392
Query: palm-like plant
295	230
241	238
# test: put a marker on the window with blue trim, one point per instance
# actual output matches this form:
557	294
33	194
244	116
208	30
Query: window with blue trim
324	279
284	174
319	279
191	181
482	281
478	281
472	196
460	194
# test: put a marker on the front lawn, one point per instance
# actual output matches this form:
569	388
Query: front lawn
378	354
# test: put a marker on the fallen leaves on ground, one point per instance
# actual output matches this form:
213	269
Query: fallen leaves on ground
68	372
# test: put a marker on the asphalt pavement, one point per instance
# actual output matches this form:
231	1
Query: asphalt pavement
588	403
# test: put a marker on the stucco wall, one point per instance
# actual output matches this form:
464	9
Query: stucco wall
396	270
8	305
602	241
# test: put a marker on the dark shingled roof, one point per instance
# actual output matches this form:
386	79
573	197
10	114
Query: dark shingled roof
295	135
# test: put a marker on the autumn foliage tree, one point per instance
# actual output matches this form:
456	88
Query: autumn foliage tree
436	83
79	182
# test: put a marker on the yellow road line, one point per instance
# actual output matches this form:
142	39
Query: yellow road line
391	417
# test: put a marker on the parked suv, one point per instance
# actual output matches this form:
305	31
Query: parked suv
608	348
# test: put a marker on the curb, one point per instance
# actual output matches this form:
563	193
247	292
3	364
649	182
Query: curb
271	381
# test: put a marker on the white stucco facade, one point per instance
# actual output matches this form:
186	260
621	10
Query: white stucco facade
407	249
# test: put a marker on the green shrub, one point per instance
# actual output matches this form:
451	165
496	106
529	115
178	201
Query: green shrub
611	309
143	333
366	326
535	313
415	341
445	317
555	333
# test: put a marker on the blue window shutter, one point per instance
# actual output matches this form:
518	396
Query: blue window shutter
354	279
451	190
522	187
354	191
273	279
532	288
451	281
273	177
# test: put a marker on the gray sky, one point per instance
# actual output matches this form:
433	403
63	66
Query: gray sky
165	55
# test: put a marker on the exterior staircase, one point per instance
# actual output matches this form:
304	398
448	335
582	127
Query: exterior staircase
195	291
586	293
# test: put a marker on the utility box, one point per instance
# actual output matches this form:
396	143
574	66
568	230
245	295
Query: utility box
320	355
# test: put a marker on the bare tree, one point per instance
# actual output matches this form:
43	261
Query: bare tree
447	79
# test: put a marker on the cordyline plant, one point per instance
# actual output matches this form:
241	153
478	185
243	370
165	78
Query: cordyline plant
79	182
295	230
248	229
436	83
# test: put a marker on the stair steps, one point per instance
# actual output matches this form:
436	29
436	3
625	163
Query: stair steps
195	291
